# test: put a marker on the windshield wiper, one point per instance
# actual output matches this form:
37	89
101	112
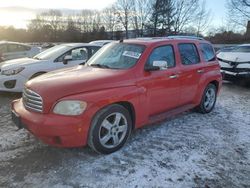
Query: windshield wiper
36	58
100	66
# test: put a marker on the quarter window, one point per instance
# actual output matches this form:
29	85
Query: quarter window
207	52
189	54
162	53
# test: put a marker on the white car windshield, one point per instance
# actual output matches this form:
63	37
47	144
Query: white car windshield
53	52
117	56
243	49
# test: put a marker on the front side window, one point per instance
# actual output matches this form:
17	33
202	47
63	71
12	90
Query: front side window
117	56
189	54
162	53
76	54
207	52
52	52
79	54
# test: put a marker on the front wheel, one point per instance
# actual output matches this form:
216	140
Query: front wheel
110	129
208	99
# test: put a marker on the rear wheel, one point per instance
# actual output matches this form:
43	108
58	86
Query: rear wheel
110	129
208	99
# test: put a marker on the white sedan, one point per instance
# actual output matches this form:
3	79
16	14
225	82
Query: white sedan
14	50
235	63
15	73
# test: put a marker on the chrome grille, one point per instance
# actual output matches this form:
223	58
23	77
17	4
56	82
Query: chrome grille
32	101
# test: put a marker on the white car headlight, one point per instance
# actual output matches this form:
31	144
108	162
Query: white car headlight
70	107
10	72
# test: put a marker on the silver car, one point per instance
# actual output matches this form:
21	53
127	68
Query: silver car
14	50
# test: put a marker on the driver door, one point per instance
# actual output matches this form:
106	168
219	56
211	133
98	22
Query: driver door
163	86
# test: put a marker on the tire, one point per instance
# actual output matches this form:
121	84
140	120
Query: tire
110	129
208	99
36	75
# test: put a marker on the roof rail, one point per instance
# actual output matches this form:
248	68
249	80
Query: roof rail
184	37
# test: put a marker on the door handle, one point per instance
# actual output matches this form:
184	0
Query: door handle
200	71
173	76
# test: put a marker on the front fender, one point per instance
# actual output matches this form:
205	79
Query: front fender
97	100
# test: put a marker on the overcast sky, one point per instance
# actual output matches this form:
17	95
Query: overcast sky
53	4
19	18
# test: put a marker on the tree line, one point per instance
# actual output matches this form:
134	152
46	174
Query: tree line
126	19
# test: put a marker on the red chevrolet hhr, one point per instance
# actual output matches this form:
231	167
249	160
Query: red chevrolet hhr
124	86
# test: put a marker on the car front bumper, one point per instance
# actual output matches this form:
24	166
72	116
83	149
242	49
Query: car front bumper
230	75
52	129
17	83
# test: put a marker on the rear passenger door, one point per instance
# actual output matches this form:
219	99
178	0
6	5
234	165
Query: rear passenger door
191	71
162	85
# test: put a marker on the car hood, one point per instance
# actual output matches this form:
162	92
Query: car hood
18	63
234	56
58	84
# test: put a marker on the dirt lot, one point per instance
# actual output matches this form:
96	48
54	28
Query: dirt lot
191	150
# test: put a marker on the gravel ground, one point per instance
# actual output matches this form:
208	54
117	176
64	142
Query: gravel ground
190	150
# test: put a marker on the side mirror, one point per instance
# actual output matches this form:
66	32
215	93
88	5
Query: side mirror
157	65
66	59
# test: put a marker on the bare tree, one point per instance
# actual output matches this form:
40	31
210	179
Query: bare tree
239	11
85	20
124	10
142	10
203	18
109	19
54	20
185	13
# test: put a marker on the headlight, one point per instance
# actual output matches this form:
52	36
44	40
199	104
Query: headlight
70	107
10	72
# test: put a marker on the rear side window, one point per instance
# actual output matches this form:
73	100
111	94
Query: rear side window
189	54
24	48
3	48
163	53
17	48
207	52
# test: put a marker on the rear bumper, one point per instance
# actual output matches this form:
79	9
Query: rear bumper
52	129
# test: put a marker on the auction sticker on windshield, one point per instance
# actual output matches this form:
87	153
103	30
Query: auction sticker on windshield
135	55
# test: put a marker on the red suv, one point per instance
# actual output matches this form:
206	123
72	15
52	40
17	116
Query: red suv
125	86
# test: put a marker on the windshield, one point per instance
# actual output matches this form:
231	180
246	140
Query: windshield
117	56
243	49
53	52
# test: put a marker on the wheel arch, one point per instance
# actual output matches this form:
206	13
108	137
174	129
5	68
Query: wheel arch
37	74
216	83
204	86
130	107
